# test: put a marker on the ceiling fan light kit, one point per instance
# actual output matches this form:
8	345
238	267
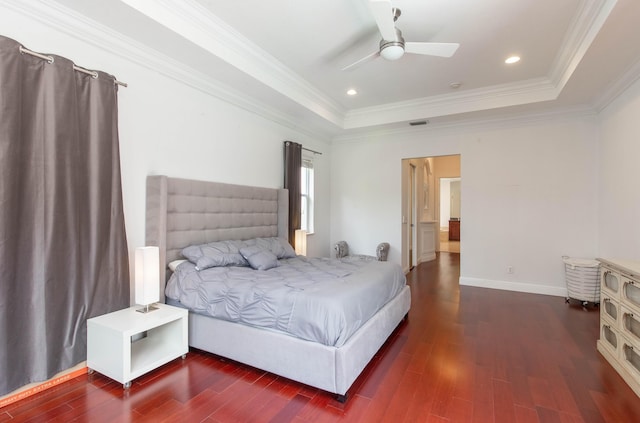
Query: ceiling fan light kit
392	51
392	46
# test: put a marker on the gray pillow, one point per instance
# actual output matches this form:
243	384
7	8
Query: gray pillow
278	246
214	254
259	258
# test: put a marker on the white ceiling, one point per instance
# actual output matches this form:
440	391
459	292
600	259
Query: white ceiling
287	55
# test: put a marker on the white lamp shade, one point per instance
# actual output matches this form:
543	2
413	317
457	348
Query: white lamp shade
301	242
147	273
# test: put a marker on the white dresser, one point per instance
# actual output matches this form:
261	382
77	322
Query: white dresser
619	340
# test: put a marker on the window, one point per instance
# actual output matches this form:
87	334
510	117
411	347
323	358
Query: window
306	192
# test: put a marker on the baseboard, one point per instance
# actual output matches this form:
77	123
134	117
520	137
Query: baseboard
514	286
34	388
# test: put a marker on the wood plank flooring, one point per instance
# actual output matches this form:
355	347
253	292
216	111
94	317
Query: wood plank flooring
465	355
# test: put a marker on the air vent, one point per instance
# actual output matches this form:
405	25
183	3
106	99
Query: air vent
418	122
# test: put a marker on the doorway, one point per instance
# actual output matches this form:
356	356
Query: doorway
421	201
449	232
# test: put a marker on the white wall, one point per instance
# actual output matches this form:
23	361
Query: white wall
168	127
619	189
529	197
454	199
528	192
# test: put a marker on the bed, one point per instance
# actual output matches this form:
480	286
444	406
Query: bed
182	213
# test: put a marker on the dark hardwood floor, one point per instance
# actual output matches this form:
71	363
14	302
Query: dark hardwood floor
465	355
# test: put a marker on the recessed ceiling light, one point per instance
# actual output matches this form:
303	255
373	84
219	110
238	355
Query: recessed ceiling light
512	59
455	85
351	91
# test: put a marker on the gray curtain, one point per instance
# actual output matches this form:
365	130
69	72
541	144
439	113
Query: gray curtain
63	248
292	168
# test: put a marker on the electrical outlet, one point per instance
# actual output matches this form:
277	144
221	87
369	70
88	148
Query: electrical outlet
510	269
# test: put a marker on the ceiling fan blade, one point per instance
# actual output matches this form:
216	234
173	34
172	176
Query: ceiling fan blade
432	49
362	61
341	53
383	14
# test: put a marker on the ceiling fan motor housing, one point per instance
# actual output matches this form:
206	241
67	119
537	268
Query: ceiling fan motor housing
392	49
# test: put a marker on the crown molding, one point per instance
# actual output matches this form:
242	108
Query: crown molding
531	91
583	31
197	24
504	121
68	21
615	89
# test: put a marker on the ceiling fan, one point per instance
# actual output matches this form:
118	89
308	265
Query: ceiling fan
392	45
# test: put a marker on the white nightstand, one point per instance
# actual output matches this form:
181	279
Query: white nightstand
126	344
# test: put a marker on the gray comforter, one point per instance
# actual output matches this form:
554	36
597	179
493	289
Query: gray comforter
317	299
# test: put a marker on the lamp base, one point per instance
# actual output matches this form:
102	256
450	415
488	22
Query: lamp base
147	308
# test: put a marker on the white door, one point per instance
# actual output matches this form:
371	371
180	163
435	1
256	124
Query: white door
413	217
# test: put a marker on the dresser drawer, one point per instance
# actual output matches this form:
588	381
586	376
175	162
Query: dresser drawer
631	293
610	338
630	324
630	357
610	283
610	310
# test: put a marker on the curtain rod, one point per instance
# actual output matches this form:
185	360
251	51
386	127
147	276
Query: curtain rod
49	60
312	151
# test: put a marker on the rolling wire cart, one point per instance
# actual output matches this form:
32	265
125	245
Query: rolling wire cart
583	280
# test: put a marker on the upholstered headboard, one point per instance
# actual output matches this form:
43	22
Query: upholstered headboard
183	212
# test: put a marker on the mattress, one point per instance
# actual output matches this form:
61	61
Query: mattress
316	299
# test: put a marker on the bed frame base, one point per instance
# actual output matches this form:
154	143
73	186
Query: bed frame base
332	369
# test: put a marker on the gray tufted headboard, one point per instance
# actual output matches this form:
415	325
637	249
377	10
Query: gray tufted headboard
183	212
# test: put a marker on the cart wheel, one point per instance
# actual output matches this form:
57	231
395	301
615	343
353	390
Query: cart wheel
126	385
566	300
184	356
90	371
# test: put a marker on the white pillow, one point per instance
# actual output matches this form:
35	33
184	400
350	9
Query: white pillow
174	264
